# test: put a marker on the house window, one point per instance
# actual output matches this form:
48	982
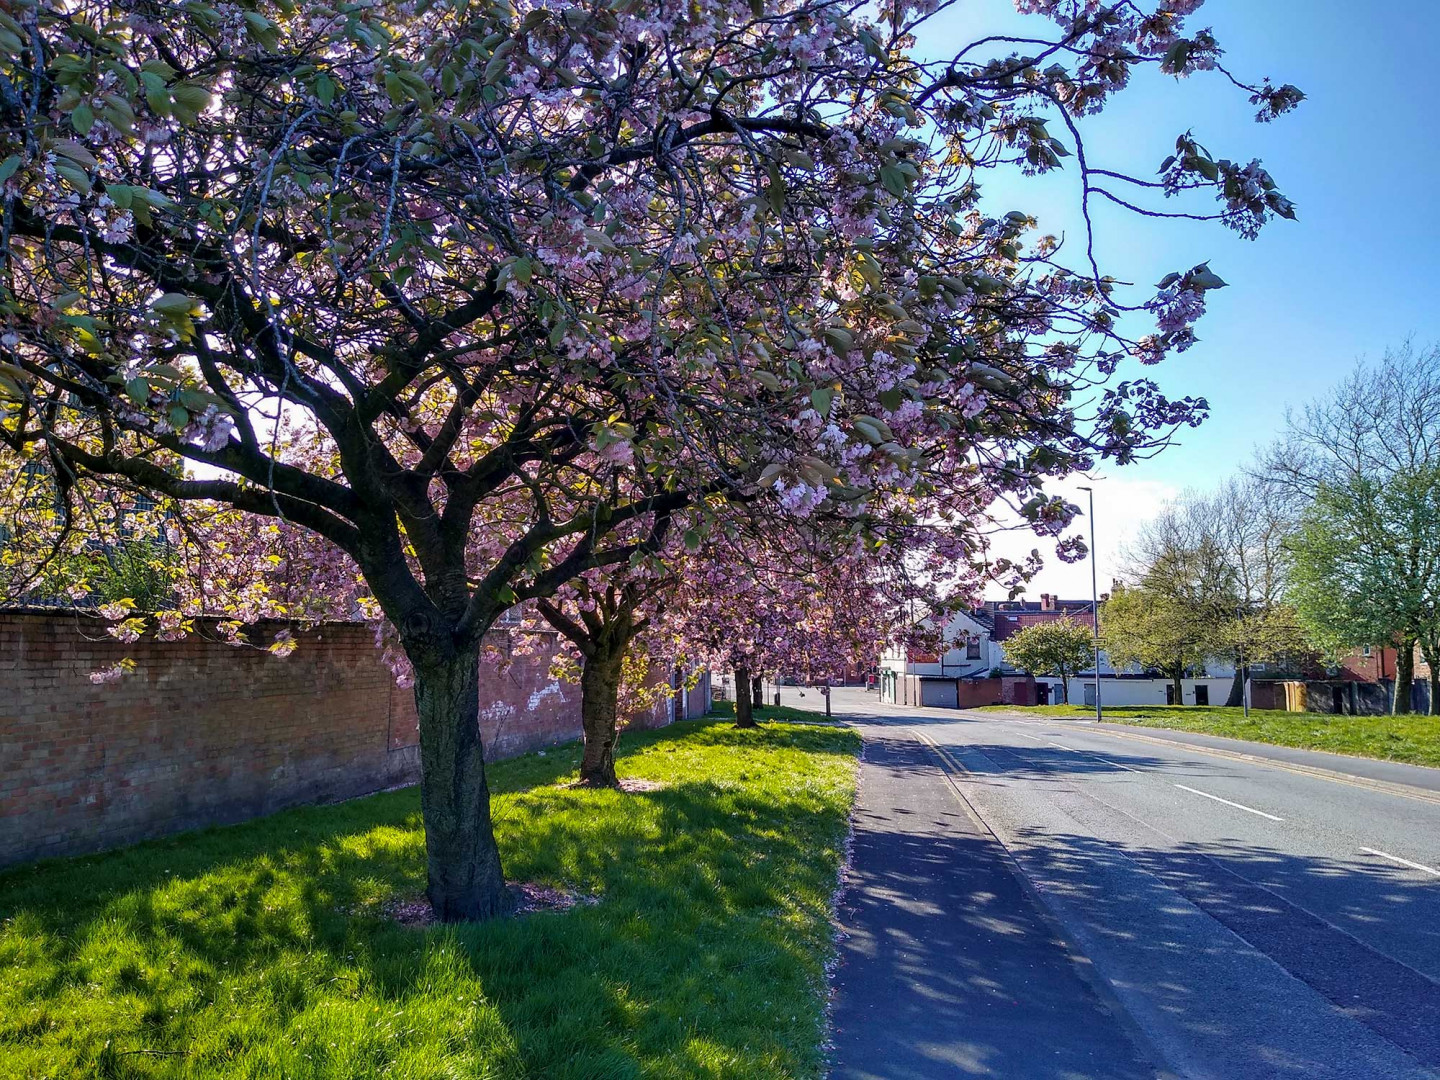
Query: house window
1366	651
972	649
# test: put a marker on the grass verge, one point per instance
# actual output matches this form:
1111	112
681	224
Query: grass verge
766	714
1412	739
261	950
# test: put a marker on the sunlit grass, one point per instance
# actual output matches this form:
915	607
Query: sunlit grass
1413	739
261	950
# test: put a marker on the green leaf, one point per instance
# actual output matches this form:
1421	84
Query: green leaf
8	167
498	62
138	389
820	399
82	119
775	192
174	304
893	180
767	379
189	102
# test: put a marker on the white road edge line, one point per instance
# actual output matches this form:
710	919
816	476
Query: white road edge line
1402	862
1092	753
1227	802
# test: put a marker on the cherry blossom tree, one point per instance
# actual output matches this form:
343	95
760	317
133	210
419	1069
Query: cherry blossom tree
801	601
534	277
603	617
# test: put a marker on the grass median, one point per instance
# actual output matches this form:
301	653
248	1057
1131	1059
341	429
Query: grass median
1413	739
266	950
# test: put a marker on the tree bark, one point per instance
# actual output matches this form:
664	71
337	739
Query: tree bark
1237	686
1177	681
744	706
464	878
1404	677
1431	653
757	691
1064	688
599	717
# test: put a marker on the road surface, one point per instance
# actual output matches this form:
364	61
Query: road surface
1253	918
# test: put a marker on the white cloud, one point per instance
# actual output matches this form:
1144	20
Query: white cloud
1121	507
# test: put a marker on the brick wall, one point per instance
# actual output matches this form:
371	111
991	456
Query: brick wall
203	733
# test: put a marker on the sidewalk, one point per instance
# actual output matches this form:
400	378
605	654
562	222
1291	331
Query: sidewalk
947	967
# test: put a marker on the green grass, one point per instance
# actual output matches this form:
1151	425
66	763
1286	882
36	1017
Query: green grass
260	950
784	713
1412	739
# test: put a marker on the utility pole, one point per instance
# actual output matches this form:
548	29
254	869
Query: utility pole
1094	599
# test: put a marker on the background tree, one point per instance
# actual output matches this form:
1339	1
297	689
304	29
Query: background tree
1060	647
1151	627
528	281
1235	538
602	618
1182	599
1366	571
1357	465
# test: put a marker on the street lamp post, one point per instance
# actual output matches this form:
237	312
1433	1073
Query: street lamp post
1094	599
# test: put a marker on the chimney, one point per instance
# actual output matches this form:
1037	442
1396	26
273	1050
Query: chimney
1047	602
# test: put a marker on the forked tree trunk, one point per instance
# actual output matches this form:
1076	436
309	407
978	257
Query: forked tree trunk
599	718
464	878
744	707
1404	677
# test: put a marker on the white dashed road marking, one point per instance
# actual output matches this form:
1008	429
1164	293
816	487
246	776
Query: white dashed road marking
1227	802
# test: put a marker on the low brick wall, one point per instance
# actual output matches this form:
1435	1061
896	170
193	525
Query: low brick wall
203	733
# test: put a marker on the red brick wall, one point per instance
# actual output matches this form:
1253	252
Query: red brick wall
204	733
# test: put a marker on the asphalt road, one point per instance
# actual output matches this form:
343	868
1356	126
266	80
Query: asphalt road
1254	918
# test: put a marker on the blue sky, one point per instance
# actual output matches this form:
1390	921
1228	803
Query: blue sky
1357	272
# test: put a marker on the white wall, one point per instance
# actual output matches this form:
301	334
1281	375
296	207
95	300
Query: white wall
1137	691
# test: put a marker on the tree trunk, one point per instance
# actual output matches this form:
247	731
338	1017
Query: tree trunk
757	691
1431	653
599	718
1064	688
1177	682
1404	677
1237	686
464	878
744	706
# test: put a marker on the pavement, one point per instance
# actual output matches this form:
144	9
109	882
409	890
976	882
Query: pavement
1040	898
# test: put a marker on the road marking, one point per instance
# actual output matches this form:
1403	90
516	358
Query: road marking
1402	862
1092	753
1227	802
1385	787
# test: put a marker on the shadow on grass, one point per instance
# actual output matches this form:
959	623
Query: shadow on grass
261	948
